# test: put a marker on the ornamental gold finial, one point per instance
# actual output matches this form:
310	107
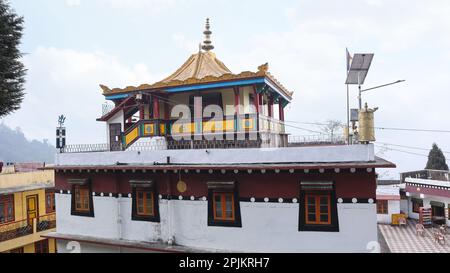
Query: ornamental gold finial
207	44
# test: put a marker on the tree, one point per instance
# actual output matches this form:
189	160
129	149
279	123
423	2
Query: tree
436	159
12	71
330	127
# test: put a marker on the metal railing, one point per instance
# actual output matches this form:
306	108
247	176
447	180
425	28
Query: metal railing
311	140
9	231
186	144
84	148
168	144
13	230
46	222
212	144
268	124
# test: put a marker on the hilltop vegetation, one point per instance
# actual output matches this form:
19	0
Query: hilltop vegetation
14	147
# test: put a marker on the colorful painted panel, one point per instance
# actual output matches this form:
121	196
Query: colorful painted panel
248	124
186	128
162	129
131	136
218	126
229	125
212	126
149	129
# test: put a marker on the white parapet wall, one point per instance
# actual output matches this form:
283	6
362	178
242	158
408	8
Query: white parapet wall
322	154
266	227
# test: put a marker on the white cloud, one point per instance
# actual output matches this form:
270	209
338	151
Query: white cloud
66	81
72	3
188	45
305	50
146	6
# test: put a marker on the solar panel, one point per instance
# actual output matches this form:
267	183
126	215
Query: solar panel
359	68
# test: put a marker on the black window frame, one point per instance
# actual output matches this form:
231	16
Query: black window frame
8	200
384	209
145	218
237	222
334	225
52	196
90	212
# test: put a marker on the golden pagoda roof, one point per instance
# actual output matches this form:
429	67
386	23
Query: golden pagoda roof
199	66
173	81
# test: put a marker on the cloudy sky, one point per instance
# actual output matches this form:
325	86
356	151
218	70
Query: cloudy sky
72	46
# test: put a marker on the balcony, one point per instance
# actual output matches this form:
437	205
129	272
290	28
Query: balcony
15	230
21	229
212	130
239	131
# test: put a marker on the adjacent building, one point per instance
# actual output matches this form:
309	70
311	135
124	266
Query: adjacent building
27	208
201	161
428	189
388	200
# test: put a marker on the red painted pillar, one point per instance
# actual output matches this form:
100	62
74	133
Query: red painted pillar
270	107
142	109
237	100
256	99
155	107
281	113
166	110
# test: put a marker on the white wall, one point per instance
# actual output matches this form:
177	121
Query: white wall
64	246
103	225
325	154
155	143
117	118
266	227
393	208
404	206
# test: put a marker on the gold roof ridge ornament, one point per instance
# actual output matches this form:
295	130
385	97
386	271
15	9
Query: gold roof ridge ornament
207	44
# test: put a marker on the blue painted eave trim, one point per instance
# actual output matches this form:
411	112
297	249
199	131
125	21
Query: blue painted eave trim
214	85
116	97
261	80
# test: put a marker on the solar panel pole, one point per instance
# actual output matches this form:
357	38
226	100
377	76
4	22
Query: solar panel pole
359	94
348	117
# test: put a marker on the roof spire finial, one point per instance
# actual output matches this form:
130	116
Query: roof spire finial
207	44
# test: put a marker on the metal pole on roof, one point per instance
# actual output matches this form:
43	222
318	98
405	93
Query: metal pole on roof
348	117
359	91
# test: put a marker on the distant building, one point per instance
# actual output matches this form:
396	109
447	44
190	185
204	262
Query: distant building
428	189
166	184
27	209
388	200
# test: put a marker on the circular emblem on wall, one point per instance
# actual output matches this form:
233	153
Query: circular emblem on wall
181	186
